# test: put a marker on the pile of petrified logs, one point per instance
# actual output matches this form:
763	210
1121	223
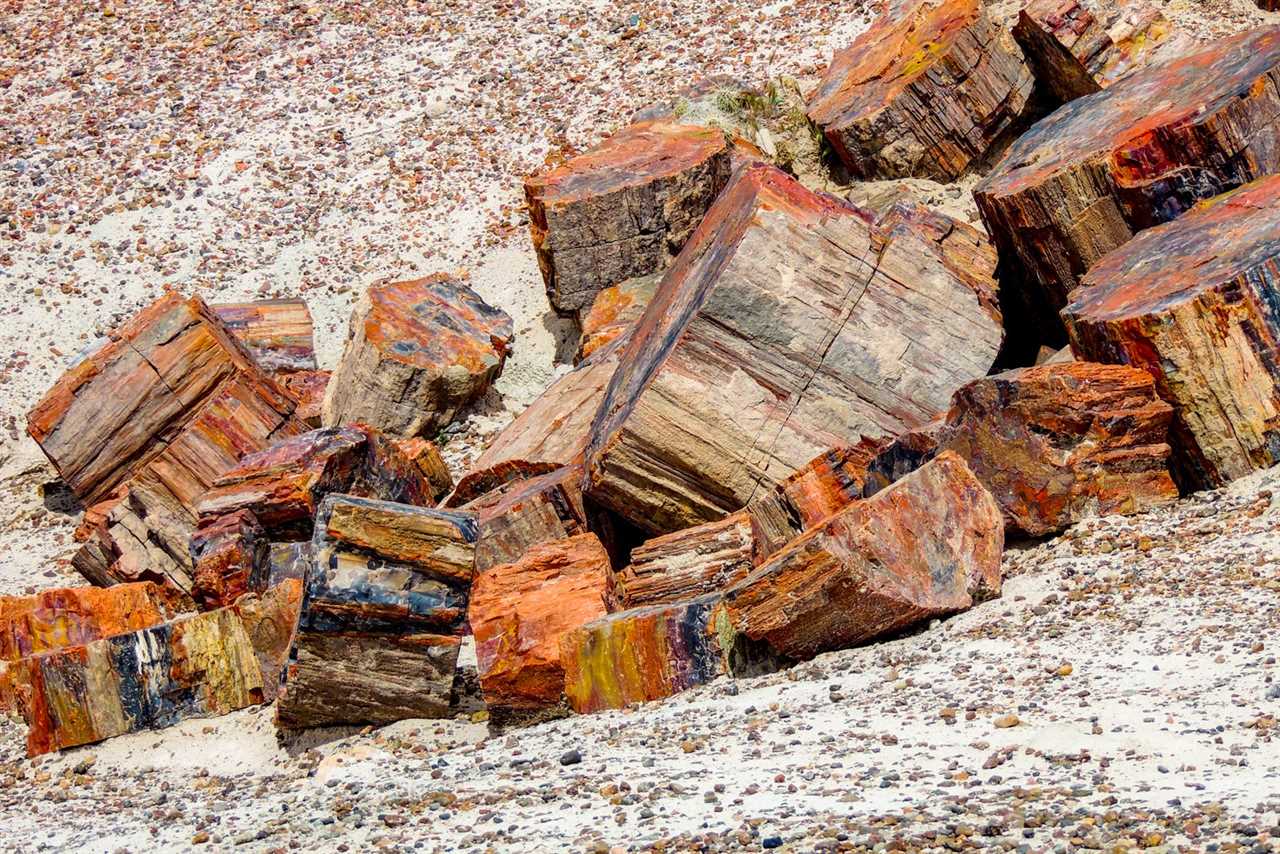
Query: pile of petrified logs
794	424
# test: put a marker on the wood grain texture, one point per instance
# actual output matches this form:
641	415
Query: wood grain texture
232	555
524	513
927	546
687	564
426	456
614	312
1139	153
1194	303
308	389
926	90
623	209
52	619
791	323
416	352
277	332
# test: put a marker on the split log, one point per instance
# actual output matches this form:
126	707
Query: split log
1193	303
687	564
232	556
931	87
614	312
790	324
386	601
1078	47
426	456
270	619
927	546
623	209
53	619
656	652
520	611
524	513
308	389
277	332
416	353
1139	153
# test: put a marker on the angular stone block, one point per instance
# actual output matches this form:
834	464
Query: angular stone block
426	456
523	513
614	312
927	546
416	353
1194	304
623	209
308	389
232	556
687	564
53	619
438	543
1139	153
790	324
930	87
1078	47
520	611
277	332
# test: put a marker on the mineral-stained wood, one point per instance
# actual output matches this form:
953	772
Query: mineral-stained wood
927	546
232	555
689	563
524	513
118	408
52	619
614	312
928	89
906	453
308	389
623	209
654	652
1139	153
520	611
416	353
289	561
386	599
1078	47
276	332
426	456
1194	304
270	619
790	324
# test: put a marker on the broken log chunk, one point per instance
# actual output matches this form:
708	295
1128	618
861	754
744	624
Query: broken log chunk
53	619
426	456
389	474
613	313
308	389
1193	303
96	557
766	345
654	652
113	412
906	453
519	612
1139	153
523	513
416	353
438	543
623	209
1078	47
287	561
231	556
270	619
927	546
687	564
929	88
277	332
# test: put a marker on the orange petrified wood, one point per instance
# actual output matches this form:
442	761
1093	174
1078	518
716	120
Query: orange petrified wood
690	563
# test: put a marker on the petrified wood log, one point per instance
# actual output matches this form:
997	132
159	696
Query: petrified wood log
624	208
928	545
1101	168
1193	303
232	556
906	453
308	389
655	652
520	611
117	409
791	323
690	563
523	513
426	456
614	312
52	619
277	332
416	353
928	89
386	601
270	619
1078	47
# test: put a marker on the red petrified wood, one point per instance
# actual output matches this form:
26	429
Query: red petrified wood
705	559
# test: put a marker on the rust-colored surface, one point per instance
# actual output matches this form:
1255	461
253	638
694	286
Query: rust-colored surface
270	620
53	619
425	454
308	389
1193	303
686	564
231	552
520	611
614	312
523	513
277	332
927	546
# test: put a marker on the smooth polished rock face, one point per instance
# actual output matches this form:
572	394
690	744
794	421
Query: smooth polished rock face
927	546
1194	304
623	209
925	91
416	353
791	323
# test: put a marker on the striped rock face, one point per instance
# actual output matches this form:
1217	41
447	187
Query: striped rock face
680	566
277	333
927	89
1193	303
623	209
654	652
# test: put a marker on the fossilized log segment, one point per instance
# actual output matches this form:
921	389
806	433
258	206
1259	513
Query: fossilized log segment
53	619
438	543
308	389
690	563
927	546
1194	304
614	312
624	208
270	619
655	652
928	89
416	353
276	332
232	555
1078	47
426	456
520	611
1101	168
768	343
524	513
